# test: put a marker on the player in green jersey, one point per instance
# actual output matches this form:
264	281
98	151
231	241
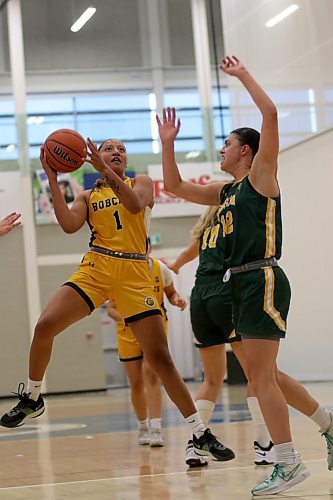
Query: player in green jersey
212	324
250	222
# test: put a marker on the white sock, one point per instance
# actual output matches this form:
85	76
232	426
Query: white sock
205	409
322	417
155	423
196	424
143	424
34	387
285	453
261	434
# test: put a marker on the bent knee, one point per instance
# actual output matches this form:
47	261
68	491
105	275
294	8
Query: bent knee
213	381
152	378
44	329
260	381
136	385
159	357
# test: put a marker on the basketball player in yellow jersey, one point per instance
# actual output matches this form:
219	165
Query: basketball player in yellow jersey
144	383
115	268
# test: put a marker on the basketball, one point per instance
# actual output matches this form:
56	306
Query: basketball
64	150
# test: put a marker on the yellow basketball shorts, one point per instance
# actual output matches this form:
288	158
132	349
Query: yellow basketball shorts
129	348
126	282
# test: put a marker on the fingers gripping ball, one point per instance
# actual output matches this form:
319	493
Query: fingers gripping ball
64	150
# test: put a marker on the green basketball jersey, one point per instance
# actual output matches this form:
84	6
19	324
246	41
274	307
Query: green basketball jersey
211	260
251	224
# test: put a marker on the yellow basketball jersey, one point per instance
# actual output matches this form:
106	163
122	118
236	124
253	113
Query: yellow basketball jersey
112	226
158	283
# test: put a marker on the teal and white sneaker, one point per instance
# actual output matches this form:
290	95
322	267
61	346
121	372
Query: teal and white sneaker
282	478
328	435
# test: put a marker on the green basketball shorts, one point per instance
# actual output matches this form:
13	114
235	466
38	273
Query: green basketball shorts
261	301
211	313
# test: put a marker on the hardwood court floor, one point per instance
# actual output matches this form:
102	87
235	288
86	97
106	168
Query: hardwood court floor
85	447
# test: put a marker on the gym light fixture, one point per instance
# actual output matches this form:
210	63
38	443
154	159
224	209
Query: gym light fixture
279	17
87	14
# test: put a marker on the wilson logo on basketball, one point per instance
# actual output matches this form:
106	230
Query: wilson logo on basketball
64	155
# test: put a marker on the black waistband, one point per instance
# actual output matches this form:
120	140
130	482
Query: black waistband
119	255
250	266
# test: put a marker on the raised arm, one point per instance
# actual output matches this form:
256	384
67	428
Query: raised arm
264	167
70	219
135	199
205	195
187	255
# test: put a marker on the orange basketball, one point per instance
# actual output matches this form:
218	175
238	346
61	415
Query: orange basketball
64	150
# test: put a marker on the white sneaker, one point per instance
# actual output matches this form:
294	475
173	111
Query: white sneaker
264	456
192	459
282	478
144	436
328	435
156	438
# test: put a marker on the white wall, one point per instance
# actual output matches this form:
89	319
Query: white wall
180	331
297	50
306	179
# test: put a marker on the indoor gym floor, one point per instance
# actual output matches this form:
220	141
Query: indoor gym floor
85	447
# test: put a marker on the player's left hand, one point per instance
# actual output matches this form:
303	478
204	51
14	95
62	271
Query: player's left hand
169	126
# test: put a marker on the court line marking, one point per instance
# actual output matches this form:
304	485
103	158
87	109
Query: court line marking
206	472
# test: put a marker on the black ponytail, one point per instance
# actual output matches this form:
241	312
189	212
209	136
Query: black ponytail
248	136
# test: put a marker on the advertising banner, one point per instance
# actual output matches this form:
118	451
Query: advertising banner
168	205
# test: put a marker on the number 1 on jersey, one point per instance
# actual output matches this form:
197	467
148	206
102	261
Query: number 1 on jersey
118	223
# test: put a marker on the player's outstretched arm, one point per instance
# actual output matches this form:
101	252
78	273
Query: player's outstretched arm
168	128
264	166
187	255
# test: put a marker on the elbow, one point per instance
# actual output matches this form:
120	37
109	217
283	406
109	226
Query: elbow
171	188
273	112
168	187
68	230
134	209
